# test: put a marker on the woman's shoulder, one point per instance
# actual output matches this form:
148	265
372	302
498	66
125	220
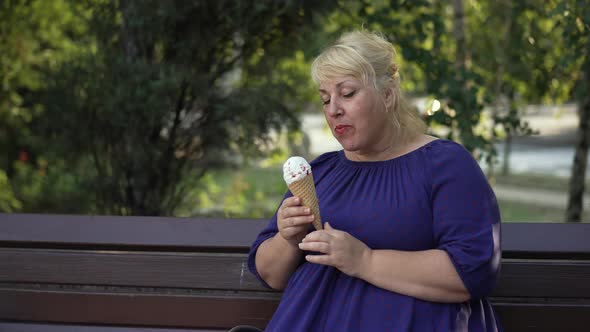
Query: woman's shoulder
441	148
443	156
325	158
448	158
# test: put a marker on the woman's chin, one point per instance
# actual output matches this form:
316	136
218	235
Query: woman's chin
346	143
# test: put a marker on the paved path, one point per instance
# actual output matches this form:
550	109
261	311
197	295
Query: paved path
547	198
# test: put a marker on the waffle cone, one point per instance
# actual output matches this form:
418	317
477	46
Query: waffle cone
305	190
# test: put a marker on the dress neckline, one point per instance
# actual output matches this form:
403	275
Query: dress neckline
347	161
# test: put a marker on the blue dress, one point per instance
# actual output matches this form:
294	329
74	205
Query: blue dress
433	197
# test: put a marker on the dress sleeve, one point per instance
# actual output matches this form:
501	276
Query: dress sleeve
466	217
269	231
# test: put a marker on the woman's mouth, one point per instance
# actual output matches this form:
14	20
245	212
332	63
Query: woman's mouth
341	129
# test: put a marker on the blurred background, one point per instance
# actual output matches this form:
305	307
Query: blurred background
188	108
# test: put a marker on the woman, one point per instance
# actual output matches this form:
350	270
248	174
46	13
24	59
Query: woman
411	241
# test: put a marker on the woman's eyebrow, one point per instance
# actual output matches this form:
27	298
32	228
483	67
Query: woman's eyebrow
337	85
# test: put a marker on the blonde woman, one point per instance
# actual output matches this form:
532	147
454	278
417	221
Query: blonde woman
412	238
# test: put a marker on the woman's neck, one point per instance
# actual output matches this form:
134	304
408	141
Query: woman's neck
390	151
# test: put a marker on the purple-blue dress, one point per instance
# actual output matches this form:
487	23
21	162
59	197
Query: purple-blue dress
433	197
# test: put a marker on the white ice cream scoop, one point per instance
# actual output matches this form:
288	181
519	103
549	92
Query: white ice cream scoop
295	169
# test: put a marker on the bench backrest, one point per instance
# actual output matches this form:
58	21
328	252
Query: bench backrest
122	273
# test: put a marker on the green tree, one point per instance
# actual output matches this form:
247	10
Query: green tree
163	97
515	50
35	37
574	16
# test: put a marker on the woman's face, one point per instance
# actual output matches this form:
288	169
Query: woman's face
357	117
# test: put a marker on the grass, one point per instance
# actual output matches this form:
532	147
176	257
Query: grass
522	212
513	211
536	181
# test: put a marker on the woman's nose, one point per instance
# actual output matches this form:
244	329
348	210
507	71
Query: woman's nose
334	108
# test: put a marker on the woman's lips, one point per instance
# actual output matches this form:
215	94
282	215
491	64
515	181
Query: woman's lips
341	129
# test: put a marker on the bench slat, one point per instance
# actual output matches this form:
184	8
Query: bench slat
51	230
205	310
161	233
519	277
27	327
544	278
140	269
218	311
543	317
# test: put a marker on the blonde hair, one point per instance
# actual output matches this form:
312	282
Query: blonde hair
370	58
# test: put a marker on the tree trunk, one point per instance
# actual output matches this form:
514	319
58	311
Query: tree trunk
578	176
134	194
129	40
459	33
507	152
460	70
510	131
504	7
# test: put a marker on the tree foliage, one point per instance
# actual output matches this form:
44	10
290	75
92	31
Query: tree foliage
119	107
35	38
156	94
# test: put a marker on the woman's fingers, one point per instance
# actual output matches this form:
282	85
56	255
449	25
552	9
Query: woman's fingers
294	214
292	201
298	221
318	236
294	211
319	259
321	247
293	220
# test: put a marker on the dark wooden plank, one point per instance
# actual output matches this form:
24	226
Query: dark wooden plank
206	310
140	269
28	327
219	311
236	234
518	278
543	317
113	231
545	238
544	278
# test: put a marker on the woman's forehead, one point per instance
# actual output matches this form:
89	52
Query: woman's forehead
337	82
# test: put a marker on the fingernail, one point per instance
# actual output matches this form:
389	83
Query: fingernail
307	210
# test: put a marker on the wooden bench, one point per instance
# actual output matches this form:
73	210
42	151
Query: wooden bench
126	274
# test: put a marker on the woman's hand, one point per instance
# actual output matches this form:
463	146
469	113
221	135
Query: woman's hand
293	220
341	250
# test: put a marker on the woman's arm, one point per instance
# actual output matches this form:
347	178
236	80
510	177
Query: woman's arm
276	260
427	275
278	257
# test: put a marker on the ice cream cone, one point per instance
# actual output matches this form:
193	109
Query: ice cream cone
305	190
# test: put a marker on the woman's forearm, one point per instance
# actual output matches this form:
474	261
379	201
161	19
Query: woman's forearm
276	260
427	275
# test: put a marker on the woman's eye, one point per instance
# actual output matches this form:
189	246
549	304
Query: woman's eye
350	94
326	102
